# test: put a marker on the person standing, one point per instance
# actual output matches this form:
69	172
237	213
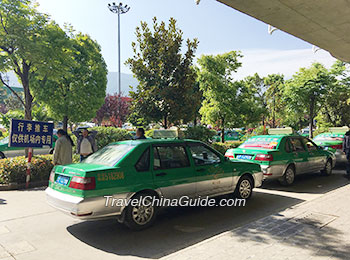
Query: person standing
63	149
346	149
140	134
86	143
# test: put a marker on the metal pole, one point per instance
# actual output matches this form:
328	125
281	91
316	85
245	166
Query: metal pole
119	69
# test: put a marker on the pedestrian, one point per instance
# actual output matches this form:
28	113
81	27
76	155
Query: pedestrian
140	133
346	149
86	143
63	149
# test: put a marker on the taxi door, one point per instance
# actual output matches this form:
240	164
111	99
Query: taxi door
172	171
213	173
300	155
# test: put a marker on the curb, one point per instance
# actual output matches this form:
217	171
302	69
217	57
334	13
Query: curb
21	186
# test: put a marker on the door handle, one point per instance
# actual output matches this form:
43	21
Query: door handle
161	174
200	170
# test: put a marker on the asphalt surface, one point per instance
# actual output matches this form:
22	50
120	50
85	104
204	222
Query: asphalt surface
30	229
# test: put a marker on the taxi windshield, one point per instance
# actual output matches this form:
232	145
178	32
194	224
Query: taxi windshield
329	138
261	142
109	155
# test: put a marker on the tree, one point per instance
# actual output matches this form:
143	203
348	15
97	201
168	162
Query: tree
225	100
80	92
115	110
166	76
307	89
28	44
274	88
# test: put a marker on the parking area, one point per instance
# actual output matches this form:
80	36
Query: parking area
30	229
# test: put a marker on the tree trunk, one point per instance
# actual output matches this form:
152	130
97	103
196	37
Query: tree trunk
311	117
165	124
65	123
222	130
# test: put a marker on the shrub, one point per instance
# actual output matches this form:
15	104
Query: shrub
14	169
223	147
107	135
149	133
200	133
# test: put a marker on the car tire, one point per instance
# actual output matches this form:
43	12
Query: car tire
288	177
244	188
140	217
51	151
328	168
2	155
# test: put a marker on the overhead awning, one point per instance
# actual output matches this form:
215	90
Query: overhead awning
324	23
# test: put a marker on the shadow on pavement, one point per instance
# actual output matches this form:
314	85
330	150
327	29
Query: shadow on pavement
177	228
311	235
311	183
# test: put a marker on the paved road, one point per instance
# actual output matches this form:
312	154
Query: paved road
31	230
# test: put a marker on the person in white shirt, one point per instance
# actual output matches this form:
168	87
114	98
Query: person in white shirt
86	144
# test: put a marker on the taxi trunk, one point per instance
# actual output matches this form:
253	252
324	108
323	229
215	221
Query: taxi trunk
261	156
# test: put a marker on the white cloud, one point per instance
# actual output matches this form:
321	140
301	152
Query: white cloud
286	62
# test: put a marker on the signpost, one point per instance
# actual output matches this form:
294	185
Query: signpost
29	134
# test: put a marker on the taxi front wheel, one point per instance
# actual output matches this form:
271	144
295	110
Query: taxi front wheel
328	168
2	155
141	215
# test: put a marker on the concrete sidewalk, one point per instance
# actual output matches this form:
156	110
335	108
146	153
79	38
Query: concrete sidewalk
317	229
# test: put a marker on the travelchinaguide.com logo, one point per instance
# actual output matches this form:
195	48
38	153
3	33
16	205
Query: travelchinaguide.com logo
184	201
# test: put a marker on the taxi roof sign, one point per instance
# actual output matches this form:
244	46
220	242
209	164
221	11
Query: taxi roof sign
165	134
342	129
280	131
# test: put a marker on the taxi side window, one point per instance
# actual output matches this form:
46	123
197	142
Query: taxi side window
297	145
169	157
143	163
288	146
203	156
310	145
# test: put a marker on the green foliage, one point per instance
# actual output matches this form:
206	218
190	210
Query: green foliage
223	147
200	133
149	133
107	135
81	91
227	103
166	76
14	169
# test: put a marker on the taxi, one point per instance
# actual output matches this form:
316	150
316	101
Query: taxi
157	168
229	135
282	155
333	141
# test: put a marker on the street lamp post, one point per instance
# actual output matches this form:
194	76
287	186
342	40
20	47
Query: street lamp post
119	9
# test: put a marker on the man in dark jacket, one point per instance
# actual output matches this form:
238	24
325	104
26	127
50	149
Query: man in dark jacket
346	149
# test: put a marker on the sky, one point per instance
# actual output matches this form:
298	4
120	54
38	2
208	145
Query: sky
218	28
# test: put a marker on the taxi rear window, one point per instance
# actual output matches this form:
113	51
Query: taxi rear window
109	155
261	142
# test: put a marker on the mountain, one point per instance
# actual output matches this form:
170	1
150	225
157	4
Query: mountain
127	81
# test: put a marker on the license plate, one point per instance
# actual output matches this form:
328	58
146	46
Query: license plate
63	180
244	156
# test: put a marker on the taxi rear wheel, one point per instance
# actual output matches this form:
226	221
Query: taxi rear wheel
328	168
288	177
2	155
244	188
143	215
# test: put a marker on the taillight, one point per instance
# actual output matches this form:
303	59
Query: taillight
231	156
264	157
52	175
338	146
82	183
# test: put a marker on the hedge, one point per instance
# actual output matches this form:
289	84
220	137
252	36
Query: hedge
223	147
200	133
14	169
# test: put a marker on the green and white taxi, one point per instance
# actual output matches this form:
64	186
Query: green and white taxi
282	155
333	141
163	168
